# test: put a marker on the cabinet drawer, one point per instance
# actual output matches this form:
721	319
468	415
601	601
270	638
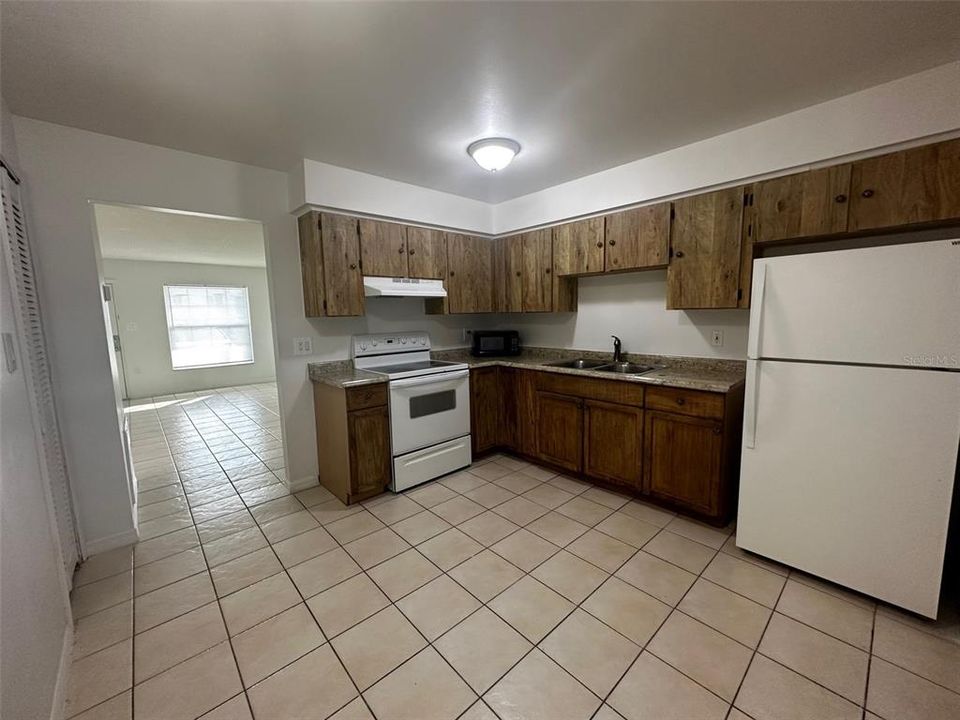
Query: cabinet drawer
615	391
685	402
366	396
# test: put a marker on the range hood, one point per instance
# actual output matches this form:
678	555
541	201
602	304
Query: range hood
402	287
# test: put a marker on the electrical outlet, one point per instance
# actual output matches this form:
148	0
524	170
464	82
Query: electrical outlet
466	335
716	338
303	346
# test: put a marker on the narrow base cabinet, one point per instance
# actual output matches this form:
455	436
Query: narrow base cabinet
353	440
674	446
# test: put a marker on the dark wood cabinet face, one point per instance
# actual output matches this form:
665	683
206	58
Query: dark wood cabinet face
383	248
426	254
638	238
704	271
537	258
469	274
578	247
683	460
369	433
486	409
559	430
613	443
342	277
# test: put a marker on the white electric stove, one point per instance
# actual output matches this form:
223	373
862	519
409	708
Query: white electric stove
429	405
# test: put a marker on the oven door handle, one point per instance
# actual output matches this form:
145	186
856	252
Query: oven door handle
430	379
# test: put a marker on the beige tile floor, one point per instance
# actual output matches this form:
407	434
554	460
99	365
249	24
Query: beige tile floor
503	591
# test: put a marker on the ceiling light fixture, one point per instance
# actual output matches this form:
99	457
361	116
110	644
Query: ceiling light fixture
493	153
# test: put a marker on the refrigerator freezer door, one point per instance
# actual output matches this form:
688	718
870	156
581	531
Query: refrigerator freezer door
893	305
851	475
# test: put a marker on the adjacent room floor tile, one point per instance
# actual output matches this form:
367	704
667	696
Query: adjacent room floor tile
168	602
245	608
99	676
102	629
166	645
278	641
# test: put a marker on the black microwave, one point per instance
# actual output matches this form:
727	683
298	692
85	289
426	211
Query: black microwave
488	343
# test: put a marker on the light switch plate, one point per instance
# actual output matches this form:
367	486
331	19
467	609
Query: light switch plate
303	346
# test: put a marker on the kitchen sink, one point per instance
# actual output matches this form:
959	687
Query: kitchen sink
579	364
625	368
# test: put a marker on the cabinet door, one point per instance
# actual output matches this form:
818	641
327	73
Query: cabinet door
560	430
704	271
512	279
342	277
578	247
526	388
613	442
485	409
510	408
683	458
902	188
311	264
469	274
537	250
638	238
826	201
426	254
369	432
778	206
383	248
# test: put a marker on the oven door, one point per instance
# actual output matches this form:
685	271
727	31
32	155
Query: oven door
428	410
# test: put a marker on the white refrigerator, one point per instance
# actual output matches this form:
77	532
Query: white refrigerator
852	417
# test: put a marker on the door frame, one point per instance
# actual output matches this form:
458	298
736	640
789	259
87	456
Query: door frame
114	316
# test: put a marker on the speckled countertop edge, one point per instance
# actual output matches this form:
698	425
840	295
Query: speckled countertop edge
706	374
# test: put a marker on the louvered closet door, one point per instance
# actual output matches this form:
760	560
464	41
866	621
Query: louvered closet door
23	286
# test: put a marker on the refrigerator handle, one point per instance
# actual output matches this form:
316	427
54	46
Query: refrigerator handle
756	313
750	404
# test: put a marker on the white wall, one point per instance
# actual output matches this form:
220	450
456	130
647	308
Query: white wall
138	299
631	306
35	623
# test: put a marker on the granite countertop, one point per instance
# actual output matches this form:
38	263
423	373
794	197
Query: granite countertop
680	372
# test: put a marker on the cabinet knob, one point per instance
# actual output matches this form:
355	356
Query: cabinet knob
841	198
411	252
600	243
547	271
717	430
353	266
681	401
612	243
678	253
401	251
452	273
868	193
518	273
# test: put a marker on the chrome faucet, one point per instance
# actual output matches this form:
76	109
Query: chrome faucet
617	349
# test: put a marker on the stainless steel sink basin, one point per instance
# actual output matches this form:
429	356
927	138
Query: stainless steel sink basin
625	368
579	364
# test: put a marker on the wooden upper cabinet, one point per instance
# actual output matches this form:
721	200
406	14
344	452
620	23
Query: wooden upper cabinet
383	248
469	274
537	254
559	430
342	277
904	188
704	271
638	238
801	205
578	247
311	264
510	282
613	441
426	253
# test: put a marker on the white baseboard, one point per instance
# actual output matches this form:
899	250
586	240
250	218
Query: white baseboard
121	539
58	710
303	483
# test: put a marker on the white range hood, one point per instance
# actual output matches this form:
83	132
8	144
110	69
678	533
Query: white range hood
402	287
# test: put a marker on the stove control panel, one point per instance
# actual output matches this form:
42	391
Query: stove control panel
390	343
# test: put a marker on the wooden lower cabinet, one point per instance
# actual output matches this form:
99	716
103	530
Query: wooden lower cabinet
683	460
353	440
672	445
486	409
613	443
560	430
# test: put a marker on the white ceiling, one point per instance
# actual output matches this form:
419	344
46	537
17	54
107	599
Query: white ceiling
400	89
133	233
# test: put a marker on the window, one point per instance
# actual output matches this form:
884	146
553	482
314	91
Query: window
208	326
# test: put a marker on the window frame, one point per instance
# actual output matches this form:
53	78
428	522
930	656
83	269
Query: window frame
170	328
